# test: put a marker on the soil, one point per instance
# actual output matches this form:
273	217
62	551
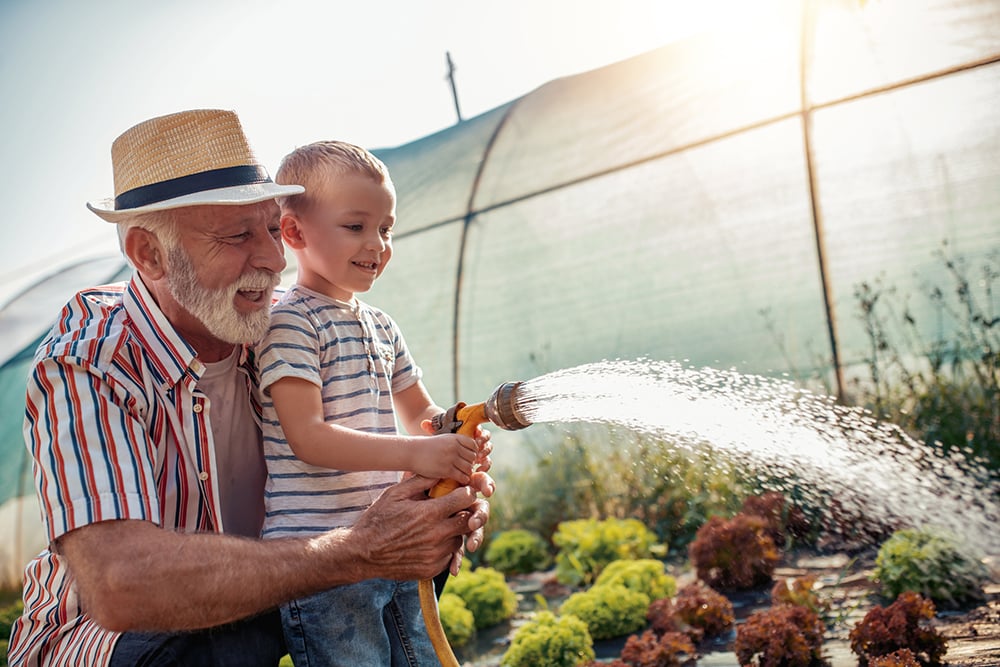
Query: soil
973	633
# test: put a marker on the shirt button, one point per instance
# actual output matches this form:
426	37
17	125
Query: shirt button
203	475
197	407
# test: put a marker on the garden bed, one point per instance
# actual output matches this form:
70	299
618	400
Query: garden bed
973	634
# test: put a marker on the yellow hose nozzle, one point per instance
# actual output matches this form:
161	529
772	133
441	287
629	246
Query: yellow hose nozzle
503	408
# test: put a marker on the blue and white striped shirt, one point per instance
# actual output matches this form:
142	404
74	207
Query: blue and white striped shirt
356	355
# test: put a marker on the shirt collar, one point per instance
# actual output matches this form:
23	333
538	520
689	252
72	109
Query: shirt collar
170	353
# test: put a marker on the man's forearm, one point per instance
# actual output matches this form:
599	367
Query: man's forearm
154	579
133	575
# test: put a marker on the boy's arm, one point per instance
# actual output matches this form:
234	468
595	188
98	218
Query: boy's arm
299	404
414	405
416	408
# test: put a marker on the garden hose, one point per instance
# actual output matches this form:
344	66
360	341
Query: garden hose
503	410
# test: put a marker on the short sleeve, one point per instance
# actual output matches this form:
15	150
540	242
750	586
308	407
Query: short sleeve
291	348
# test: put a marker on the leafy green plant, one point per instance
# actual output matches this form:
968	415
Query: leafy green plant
565	480
457	621
734	554
587	546
518	551
609	611
782	636
548	641
931	564
485	593
592	471
673	491
901	625
645	575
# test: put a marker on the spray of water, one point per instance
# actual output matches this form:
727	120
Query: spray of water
783	431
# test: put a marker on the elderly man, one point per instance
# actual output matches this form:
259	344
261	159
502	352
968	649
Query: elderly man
144	427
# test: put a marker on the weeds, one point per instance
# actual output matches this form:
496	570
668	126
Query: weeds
942	387
601	473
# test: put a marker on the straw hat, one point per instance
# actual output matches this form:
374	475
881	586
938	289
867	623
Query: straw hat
186	159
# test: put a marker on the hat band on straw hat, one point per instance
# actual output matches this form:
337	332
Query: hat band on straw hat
184	185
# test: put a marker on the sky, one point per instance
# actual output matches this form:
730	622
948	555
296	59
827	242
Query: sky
74	75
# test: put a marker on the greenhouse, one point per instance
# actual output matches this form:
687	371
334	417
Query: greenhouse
717	201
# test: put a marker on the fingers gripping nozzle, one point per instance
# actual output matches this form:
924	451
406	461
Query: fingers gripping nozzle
501	408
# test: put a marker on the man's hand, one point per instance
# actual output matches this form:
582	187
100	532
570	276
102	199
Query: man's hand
404	535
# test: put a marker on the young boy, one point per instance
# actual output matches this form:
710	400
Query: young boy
335	374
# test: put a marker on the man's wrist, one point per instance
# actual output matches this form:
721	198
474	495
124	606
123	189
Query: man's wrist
340	557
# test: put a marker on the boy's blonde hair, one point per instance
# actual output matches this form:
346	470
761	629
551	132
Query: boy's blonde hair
310	165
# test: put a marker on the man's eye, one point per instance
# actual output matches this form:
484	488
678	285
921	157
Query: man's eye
236	238
275	232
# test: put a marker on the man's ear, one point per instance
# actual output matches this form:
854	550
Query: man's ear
146	252
291	232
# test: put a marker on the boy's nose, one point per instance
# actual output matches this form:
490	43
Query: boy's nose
376	242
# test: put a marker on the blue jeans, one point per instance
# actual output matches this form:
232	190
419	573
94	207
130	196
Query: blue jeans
253	642
375	622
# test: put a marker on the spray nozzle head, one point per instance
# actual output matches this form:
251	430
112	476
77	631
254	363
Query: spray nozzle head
503	408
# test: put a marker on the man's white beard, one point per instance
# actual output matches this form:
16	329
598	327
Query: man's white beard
215	308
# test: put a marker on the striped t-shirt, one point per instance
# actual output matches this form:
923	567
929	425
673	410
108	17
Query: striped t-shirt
357	357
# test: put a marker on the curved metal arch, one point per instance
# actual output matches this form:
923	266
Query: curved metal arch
470	214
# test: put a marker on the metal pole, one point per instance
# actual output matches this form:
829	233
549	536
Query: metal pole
451	81
808	23
460	269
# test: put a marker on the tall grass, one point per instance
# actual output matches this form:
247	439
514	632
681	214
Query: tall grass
944	389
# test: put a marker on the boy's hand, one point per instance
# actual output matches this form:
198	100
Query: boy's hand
447	456
445	422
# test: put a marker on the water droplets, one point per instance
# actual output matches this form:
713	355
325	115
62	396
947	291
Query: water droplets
871	468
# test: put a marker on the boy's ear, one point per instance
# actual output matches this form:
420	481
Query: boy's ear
291	232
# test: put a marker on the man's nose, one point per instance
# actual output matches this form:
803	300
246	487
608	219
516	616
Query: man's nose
269	254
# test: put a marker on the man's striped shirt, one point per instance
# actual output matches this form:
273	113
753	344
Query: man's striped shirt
357	357
117	429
